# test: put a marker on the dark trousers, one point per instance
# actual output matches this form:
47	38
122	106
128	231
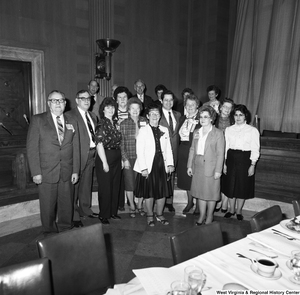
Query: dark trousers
109	183
122	191
56	199
83	189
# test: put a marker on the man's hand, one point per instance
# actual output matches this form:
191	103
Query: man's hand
190	172
37	179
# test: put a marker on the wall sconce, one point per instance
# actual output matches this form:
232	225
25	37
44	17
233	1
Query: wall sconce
103	60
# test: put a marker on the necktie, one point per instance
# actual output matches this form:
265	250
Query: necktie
90	127
171	122
60	129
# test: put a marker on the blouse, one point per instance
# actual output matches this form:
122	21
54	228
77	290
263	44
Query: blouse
188	126
108	134
243	137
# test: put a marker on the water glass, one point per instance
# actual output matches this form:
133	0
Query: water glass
295	264
197	280
180	288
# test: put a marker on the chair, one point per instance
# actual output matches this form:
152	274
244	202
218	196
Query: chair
266	218
196	241
32	277
78	260
296	206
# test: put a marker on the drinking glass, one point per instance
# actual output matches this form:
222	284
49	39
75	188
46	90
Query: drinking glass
295	264
197	280
180	288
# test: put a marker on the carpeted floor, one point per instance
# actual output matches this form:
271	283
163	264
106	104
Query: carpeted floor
131	244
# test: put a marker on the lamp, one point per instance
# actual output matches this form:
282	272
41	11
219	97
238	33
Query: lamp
103	61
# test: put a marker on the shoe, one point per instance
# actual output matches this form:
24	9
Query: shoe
103	220
196	212
150	221
199	223
229	214
239	217
77	223
132	213
217	209
121	208
170	207
115	217
187	208
141	211
93	215
223	210
162	220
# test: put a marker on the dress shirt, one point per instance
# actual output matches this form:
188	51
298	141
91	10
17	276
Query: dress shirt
202	140
82	113
140	97
243	137
166	113
55	122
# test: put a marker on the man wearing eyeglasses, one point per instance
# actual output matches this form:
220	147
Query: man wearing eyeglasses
53	157
87	122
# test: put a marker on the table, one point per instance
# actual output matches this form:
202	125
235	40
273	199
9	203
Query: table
223	266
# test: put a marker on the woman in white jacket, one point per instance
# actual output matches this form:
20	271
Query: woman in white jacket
154	162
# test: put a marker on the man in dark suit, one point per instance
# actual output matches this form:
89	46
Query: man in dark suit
170	120
87	122
96	98
53	157
140	88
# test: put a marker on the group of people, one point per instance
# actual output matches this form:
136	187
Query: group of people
137	144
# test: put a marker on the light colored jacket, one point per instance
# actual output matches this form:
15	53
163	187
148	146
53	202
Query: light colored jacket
145	149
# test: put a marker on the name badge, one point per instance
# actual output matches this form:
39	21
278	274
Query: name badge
143	124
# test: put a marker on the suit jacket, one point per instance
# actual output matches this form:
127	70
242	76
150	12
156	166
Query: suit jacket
147	101
145	149
46	156
214	151
95	105
174	137
84	139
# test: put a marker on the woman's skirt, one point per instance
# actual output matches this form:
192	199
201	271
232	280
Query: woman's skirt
183	180
129	176
204	187
156	185
238	184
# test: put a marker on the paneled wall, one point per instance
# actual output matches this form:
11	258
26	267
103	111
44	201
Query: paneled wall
60	29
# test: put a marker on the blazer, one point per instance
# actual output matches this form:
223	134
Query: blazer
174	136
145	149
214	151
45	155
95	105
84	139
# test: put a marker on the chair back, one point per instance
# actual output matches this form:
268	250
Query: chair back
32	277
196	241
78	260
296	206
266	218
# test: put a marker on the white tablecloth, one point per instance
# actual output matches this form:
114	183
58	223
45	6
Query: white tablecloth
223	266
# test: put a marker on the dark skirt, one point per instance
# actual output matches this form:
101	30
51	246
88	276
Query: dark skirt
129	176
183	180
156	186
238	184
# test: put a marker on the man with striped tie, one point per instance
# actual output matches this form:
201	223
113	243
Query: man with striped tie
53	157
87	122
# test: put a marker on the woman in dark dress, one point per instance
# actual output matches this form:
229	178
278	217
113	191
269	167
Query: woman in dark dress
241	155
224	120
186	127
108	160
154	162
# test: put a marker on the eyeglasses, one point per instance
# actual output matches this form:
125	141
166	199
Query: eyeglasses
154	114
85	99
204	117
57	101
